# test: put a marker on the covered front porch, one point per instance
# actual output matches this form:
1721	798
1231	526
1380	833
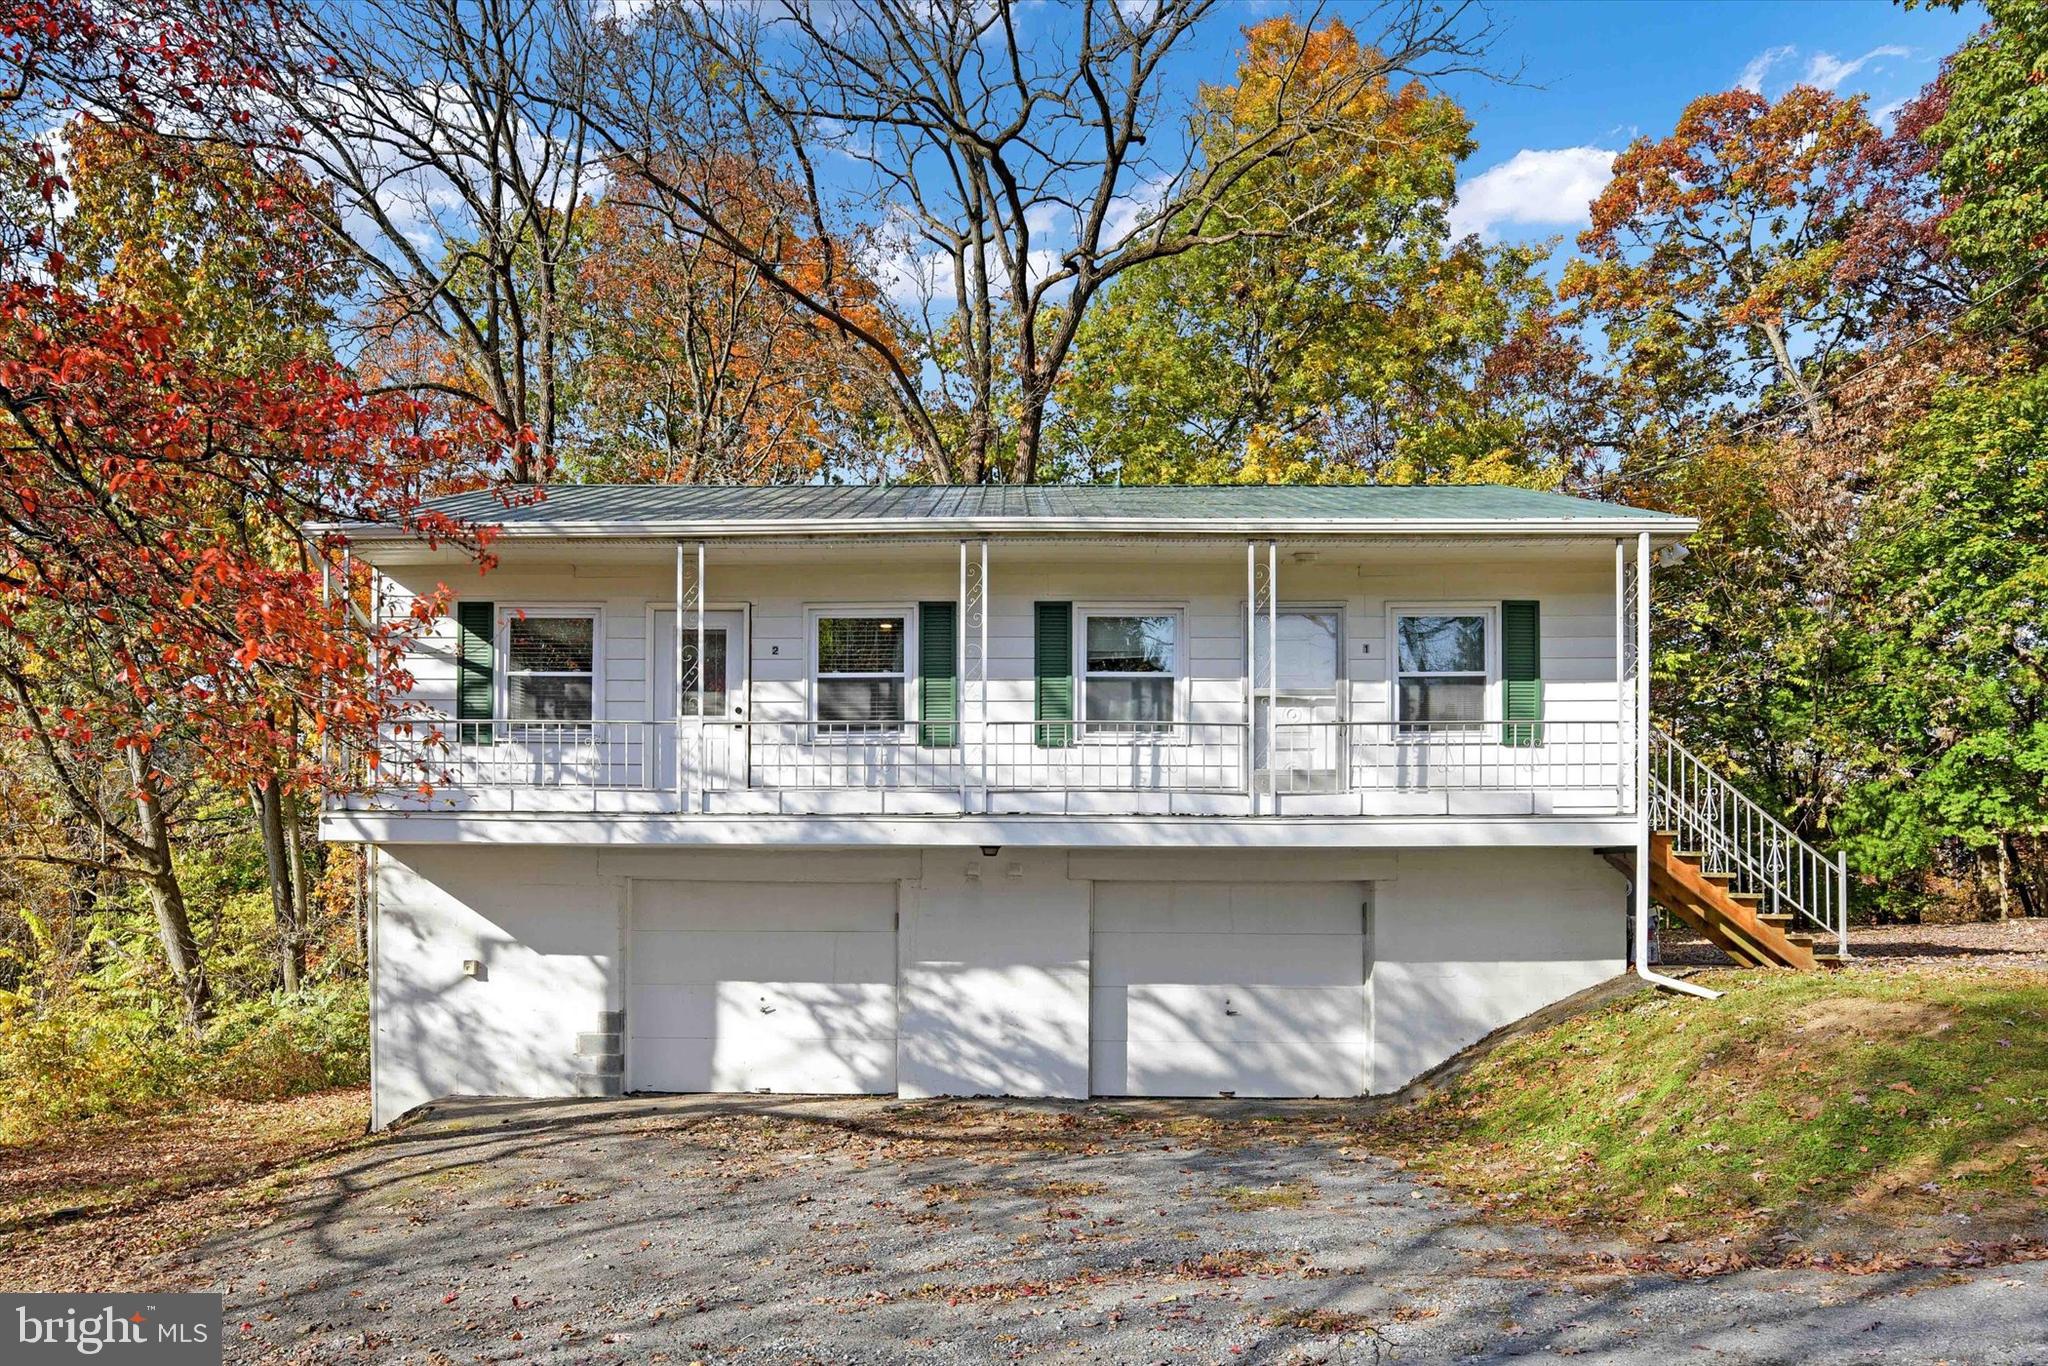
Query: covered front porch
1095	679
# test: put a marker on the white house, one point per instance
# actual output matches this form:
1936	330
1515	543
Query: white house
1025	791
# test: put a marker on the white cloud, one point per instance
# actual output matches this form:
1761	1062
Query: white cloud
1550	187
1752	77
1823	69
1829	71
1134	209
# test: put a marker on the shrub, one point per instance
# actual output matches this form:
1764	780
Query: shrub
81	1055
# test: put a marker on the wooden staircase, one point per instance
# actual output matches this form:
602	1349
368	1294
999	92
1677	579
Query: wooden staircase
1732	921
1735	872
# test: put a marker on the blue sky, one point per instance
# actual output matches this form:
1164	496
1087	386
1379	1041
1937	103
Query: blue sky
1598	72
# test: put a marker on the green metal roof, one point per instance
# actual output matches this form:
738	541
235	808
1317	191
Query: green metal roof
672	509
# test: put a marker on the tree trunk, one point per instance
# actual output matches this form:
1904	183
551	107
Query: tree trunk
2024	883
173	922
1809	398
1030	430
2004	885
362	899
301	869
267	798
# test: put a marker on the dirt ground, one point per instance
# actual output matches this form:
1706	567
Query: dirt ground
871	1230
1995	944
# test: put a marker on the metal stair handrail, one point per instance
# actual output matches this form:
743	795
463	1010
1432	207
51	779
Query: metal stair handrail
1707	814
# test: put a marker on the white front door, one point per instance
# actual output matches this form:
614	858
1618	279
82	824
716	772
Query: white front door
762	986
1307	743
725	692
1201	989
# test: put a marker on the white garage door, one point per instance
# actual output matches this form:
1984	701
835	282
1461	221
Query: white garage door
1205	988
762	986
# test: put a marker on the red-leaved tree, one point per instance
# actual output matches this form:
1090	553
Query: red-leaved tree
160	607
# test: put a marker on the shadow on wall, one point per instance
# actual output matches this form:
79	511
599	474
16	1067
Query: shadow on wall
1464	941
967	1030
1470	940
541	932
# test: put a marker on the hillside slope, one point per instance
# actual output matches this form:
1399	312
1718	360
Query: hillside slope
1795	1102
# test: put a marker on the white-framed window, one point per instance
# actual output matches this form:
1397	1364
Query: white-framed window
551	664
1129	665
860	667
1444	667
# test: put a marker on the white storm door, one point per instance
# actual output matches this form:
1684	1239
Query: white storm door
1203	989
762	986
1307	743
725	694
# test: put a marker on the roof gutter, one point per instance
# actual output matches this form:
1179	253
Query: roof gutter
896	527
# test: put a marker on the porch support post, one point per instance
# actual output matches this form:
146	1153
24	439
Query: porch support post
1261	598
676	707
702	714
1641	756
1622	752
972	631
960	610
689	669
1251	671
1273	661
1842	903
348	614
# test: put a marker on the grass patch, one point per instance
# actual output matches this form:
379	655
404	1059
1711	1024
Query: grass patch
1287	1195
106	1165
1794	1096
1322	1322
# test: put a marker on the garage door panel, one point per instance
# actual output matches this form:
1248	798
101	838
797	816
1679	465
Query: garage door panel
1180	908
1244	1013
1303	908
688	956
864	957
764	906
670	1011
1161	907
806	1010
672	1064
1130	906
1109	1067
1222	958
1250	990
1302	1068
847	1067
759	986
831	1067
1108	1014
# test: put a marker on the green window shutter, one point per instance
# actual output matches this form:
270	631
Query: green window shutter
938	677
475	687
1521	672
1054	697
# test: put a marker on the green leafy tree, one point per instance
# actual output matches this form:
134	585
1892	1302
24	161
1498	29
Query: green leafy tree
1991	139
1346	336
1952	709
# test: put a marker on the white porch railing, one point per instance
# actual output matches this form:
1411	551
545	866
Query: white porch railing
1709	816
1314	757
441	752
1196	758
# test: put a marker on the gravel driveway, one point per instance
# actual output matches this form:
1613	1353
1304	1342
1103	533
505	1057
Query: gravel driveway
713	1229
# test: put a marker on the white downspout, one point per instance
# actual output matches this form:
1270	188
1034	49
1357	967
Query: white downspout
1641	882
